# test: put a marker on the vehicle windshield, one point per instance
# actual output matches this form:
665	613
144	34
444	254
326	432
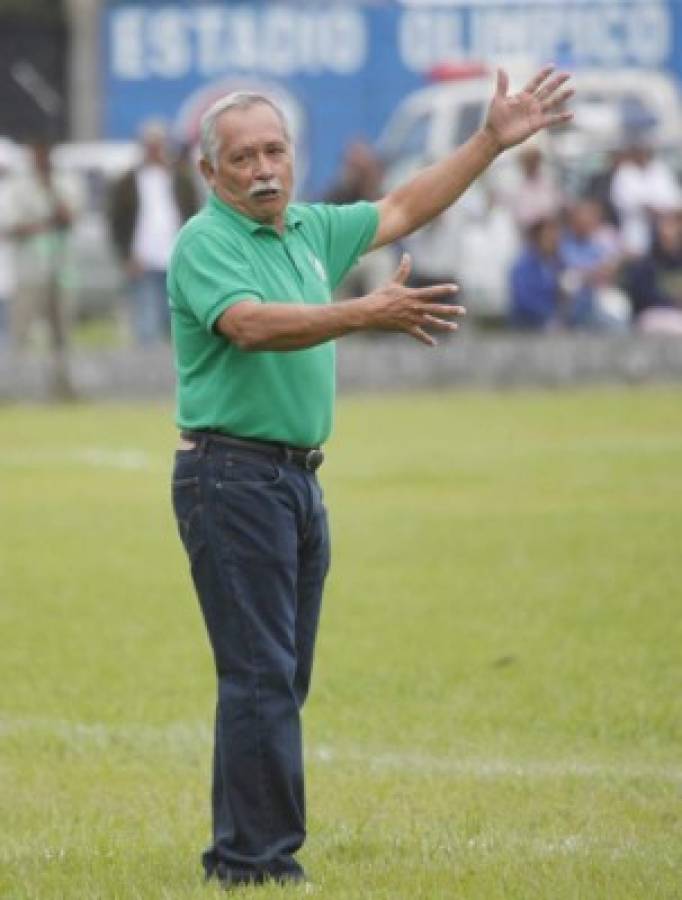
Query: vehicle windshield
408	137
468	121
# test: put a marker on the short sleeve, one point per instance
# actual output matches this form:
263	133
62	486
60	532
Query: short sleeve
348	232
212	275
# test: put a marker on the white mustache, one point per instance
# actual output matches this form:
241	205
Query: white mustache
273	185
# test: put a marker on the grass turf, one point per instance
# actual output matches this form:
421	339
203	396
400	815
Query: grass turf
497	706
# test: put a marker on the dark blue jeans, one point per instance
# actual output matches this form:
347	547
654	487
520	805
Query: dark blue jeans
149	310
255	532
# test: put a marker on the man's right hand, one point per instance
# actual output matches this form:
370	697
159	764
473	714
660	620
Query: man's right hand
252	325
396	307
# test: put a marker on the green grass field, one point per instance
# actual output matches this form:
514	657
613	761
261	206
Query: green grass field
497	708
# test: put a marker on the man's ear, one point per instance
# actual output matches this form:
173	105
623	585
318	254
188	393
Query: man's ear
207	170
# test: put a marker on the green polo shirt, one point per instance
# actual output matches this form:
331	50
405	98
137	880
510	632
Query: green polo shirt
220	258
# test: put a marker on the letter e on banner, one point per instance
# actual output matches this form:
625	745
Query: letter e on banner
170	49
127	44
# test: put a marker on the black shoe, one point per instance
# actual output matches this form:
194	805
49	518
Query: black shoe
229	880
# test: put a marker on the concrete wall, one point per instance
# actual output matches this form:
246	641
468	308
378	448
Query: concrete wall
385	363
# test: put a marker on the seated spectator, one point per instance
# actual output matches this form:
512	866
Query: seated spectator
590	255
654	281
535	278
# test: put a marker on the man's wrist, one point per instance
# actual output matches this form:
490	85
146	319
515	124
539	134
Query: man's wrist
489	143
357	314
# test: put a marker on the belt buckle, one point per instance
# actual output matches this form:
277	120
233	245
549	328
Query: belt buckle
314	459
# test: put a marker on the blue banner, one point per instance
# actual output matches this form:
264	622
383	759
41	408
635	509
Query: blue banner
341	69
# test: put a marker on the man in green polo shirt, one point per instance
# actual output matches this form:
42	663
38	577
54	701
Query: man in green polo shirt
250	284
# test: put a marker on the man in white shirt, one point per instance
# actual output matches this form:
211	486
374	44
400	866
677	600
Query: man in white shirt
148	206
43	207
7	278
642	185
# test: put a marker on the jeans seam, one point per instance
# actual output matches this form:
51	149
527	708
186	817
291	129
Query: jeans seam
310	517
257	698
227	570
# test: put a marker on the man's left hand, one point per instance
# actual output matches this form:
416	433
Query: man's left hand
513	118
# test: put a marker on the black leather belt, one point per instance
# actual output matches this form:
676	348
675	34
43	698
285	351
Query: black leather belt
308	458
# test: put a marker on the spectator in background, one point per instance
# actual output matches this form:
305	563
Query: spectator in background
536	195
484	278
590	255
7	279
147	208
654	281
599	186
360	178
536	302
642	184
44	206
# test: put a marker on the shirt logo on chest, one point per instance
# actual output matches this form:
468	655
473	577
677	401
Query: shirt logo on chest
317	266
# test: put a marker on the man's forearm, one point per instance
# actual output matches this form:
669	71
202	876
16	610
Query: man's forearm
291	326
434	188
251	325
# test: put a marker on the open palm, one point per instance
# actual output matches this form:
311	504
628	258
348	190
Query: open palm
513	118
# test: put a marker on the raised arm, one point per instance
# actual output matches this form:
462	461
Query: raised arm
510	120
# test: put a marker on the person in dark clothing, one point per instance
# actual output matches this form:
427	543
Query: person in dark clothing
654	282
535	278
148	205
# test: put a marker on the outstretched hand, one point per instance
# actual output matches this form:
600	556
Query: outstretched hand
513	118
396	307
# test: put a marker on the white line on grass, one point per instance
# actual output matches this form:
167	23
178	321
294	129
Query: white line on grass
495	768
93	457
182	738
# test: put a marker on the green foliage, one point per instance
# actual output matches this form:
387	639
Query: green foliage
496	710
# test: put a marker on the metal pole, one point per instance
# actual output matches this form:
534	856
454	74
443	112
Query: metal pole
83	18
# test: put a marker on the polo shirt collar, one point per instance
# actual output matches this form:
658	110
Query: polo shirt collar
291	218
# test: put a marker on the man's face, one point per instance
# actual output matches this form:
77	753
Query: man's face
254	171
585	218
154	150
548	237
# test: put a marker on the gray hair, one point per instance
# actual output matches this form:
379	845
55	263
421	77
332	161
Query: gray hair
208	136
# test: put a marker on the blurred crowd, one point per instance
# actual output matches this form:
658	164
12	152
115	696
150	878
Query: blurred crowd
45	212
606	257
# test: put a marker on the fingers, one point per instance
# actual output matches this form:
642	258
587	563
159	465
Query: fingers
420	335
435	291
440	324
502	83
557	119
538	79
442	309
555	102
402	273
546	91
